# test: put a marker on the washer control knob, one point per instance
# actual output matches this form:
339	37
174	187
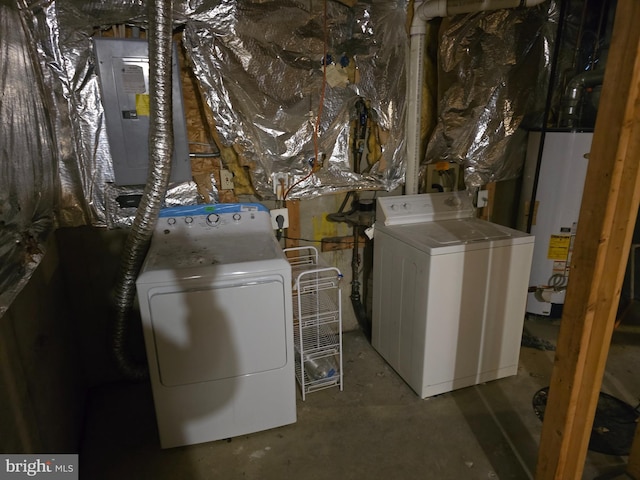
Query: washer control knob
171	221
188	220
213	219
237	217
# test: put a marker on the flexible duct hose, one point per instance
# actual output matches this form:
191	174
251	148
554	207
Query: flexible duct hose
160	14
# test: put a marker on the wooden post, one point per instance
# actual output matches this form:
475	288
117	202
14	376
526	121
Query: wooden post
487	210
293	232
605	227
633	468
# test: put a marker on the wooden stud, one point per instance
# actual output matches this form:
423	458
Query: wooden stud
486	212
293	232
605	227
633	468
331	244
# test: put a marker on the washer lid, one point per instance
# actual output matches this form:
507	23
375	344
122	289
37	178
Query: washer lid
452	232
451	236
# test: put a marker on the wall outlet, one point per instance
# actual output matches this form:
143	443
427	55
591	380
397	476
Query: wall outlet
226	180
284	213
280	184
483	198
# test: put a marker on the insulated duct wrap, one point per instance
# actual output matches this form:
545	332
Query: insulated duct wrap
493	80
261	65
160	153
27	157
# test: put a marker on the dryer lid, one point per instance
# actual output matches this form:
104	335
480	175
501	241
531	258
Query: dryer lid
182	251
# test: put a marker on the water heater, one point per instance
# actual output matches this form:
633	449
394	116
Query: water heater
555	212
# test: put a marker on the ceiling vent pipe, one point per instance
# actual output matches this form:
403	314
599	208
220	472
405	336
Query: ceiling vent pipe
422	13
570	107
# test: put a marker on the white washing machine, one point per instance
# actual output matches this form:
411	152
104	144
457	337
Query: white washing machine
216	308
449	292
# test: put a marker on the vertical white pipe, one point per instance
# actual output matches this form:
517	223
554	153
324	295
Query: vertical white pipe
445	8
414	105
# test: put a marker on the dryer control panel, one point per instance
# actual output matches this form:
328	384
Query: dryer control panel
214	219
426	207
205	235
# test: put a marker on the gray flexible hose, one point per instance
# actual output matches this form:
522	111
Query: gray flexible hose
160	14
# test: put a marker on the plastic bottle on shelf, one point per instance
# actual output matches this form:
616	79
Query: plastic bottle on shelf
320	368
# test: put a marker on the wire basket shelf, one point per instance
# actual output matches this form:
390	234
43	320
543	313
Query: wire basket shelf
317	315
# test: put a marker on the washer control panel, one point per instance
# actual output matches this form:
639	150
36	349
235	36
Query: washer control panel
426	207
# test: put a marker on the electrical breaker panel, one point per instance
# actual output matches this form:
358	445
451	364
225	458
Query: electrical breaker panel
123	70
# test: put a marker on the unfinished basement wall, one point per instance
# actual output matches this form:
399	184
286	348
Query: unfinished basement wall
41	393
89	258
314	227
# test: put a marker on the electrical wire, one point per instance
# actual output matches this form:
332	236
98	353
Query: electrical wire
547	111
203	144
316	149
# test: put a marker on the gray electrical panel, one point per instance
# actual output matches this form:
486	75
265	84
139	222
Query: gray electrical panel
123	71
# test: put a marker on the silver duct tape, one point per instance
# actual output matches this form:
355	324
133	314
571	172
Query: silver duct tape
27	158
493	74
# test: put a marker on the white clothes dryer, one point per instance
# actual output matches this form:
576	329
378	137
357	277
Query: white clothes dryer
216	307
449	292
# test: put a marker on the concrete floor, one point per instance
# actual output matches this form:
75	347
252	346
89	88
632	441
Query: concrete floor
377	428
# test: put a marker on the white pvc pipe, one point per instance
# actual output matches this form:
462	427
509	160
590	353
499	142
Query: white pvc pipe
414	105
445	8
422	13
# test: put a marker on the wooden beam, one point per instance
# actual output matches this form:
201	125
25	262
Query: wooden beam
486	213
293	232
633	468
331	244
605	227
